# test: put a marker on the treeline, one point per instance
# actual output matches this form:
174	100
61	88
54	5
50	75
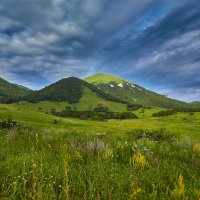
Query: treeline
95	115
189	109
10	99
133	107
164	113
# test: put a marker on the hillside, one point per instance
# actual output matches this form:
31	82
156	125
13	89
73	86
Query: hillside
196	103
86	94
103	78
131	92
72	92
10	91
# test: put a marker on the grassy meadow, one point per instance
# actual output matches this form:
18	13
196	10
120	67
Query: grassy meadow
45	157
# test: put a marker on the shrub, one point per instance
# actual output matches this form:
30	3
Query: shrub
8	123
154	135
68	108
53	111
96	115
164	113
55	121
101	108
133	107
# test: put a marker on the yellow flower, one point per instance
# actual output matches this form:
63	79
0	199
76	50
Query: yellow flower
179	189
139	160
135	193
108	153
196	148
78	155
120	145
197	193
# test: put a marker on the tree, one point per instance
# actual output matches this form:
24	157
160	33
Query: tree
101	108
53	111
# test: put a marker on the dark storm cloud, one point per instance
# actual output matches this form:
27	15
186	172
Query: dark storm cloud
151	42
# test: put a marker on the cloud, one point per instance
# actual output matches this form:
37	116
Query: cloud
45	36
164	54
152	42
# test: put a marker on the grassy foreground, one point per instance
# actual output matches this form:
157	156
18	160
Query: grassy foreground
77	159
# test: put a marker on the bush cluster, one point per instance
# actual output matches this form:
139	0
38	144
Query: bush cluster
133	107
189	109
8	123
96	115
153	135
164	113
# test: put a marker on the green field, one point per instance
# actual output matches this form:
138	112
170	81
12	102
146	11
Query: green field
42	106
90	100
181	123
85	159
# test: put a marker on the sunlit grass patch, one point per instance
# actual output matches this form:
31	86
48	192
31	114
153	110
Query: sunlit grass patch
77	164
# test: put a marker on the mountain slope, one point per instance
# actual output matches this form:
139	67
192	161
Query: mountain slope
103	78
130	92
80	94
11	91
195	104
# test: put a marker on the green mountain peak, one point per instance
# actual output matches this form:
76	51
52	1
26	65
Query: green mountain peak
103	78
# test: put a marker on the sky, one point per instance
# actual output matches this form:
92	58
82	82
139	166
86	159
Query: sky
154	43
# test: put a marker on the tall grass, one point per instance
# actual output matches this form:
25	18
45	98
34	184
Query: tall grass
36	164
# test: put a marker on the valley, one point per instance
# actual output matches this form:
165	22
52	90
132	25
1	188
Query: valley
45	156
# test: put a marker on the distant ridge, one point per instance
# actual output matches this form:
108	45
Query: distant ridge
104	86
131	92
69	89
10	91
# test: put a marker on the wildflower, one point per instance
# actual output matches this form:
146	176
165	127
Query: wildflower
196	148
120	145
15	183
197	193
179	189
135	193
78	155
108	153
139	160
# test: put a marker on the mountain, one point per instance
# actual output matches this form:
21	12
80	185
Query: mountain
195	104
11	91
86	94
77	93
23	87
131	92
